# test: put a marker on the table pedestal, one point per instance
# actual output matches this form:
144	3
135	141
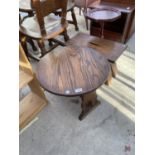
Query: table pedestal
89	102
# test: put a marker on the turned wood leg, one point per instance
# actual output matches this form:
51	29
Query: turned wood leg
66	37
89	102
42	47
74	19
114	69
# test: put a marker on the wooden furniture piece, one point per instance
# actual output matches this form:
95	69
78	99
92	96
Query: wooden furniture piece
121	29
25	6
32	103
103	15
70	8
85	5
74	71
45	25
110	49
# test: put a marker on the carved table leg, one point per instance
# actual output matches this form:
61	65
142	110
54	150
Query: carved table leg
89	102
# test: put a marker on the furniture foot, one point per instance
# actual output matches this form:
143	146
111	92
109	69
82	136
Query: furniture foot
89	102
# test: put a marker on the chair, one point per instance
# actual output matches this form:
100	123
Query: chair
85	5
45	25
70	8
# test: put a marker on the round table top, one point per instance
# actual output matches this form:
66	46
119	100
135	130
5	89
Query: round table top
103	14
72	70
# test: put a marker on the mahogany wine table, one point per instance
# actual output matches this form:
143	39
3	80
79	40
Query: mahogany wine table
103	15
74	71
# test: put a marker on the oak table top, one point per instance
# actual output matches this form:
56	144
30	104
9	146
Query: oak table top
72	70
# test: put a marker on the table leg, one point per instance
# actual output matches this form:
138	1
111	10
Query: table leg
89	102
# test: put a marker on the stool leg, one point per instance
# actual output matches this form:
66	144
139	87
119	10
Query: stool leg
113	69
109	79
74	19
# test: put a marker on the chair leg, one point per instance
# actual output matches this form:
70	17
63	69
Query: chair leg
42	47
50	43
74	19
66	37
30	41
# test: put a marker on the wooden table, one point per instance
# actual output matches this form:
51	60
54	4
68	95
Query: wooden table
103	15
74	71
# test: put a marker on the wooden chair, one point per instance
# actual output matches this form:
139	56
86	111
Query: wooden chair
84	4
70	8
45	25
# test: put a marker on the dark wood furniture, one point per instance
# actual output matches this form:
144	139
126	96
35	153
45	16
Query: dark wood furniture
70	8
84	4
74	71
35	100
44	25
103	15
110	49
121	29
25	6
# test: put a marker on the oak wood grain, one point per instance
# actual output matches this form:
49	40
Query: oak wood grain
72	71
111	49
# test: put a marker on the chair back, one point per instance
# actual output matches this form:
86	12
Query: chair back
46	7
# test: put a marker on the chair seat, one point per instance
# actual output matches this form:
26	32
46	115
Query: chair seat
53	26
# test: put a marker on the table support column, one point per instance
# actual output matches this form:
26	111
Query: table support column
89	102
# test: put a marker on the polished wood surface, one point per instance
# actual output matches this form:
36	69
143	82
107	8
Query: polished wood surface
102	15
72	71
111	49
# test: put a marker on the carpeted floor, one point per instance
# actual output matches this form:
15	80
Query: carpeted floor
108	130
